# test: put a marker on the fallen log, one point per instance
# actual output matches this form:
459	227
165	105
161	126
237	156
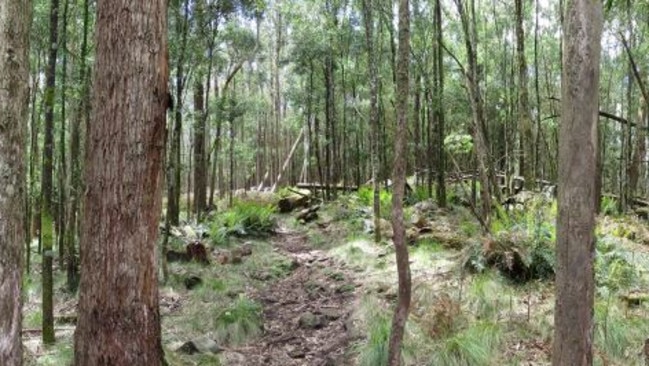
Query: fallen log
293	201
308	214
319	186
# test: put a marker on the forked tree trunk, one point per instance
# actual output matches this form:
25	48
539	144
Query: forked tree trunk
14	77
578	146
119	319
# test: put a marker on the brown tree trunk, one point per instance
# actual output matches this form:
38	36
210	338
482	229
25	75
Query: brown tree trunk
75	164
473	76
119	321
200	166
526	132
399	179
368	17
439	110
578	145
47	214
173	164
15	18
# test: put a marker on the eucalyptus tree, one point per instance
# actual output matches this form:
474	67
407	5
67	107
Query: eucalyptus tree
399	178
119	318
47	205
15	18
578	193
372	69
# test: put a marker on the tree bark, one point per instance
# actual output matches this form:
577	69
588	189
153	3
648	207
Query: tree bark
15	19
200	166
526	132
47	215
119	321
439	110
399	179
578	145
173	166
75	183
372	67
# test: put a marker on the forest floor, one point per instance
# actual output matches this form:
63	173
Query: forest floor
322	293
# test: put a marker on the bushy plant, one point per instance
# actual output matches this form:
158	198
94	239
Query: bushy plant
243	219
515	254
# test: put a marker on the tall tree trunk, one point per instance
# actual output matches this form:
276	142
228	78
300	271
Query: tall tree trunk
119	320
173	168
439	108
526	132
539	166
47	215
578	145
399	179
75	183
62	171
200	168
485	166
15	20
372	67
33	163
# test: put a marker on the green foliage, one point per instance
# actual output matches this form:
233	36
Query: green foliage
33	319
243	219
613	271
458	143
366	198
239	322
418	194
475	345
469	228
522	247
609	206
429	245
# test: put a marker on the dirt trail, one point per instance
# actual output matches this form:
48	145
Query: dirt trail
306	314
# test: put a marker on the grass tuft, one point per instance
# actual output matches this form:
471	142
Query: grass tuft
239	322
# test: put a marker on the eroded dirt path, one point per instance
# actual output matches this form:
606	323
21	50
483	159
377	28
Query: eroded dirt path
307	315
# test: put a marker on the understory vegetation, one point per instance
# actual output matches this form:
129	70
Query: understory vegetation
479	298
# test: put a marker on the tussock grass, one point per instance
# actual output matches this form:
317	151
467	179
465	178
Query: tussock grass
239	322
476	345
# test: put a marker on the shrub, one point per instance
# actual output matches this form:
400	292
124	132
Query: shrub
516	255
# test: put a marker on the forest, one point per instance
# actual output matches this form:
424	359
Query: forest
324	182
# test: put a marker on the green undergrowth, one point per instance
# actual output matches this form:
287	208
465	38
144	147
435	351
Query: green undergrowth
619	333
243	219
218	308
